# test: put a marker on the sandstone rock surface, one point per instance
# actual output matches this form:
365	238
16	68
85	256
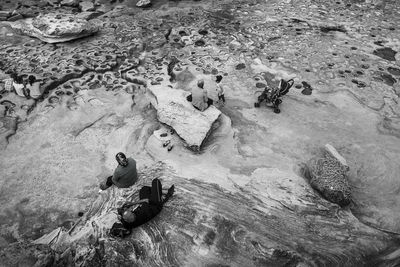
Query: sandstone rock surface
174	110
56	28
328	175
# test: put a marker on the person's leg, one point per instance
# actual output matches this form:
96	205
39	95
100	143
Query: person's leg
223	98
169	194
210	102
107	183
156	192
145	192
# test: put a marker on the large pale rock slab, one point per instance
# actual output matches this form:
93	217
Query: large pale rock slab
328	175
56	28
173	109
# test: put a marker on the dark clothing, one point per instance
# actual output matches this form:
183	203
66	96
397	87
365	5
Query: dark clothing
146	211
109	181
125	176
221	97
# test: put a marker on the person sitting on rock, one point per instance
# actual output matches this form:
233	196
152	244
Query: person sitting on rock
199	97
125	175
150	204
33	87
8	83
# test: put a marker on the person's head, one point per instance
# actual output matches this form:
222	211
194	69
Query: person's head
200	83
19	79
13	75
121	159
31	79
218	78
129	216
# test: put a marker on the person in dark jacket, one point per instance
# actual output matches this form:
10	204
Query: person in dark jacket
150	204
125	175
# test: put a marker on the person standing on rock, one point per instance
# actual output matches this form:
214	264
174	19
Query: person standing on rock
199	97
125	175
220	89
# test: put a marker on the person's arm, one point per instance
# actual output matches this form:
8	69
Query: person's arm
140	202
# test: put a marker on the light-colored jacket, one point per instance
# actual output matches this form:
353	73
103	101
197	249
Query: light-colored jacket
199	98
220	89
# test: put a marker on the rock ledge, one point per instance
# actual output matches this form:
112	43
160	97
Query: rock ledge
174	110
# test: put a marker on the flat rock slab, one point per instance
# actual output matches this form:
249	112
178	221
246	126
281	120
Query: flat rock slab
173	109
56	28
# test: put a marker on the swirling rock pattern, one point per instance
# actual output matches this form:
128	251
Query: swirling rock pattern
262	212
204	224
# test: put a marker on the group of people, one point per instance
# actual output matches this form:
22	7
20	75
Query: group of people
152	198
29	88
199	96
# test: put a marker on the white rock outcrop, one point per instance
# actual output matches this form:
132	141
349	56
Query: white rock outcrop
143	3
192	125
56	28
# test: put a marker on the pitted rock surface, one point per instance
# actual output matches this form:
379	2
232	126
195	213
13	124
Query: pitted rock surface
329	177
57	27
242	200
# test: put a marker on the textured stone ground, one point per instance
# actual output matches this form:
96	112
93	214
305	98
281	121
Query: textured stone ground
242	200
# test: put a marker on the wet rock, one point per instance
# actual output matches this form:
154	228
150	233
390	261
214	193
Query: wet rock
143	3
56	28
173	109
394	71
260	85
328	175
386	53
240	66
337	28
200	43
388	79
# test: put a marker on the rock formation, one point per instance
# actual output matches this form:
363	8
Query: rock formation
173	109
56	27
143	3
328	175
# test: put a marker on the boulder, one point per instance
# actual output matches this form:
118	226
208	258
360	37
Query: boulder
328	175
71	3
143	3
56	28
192	125
86	6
